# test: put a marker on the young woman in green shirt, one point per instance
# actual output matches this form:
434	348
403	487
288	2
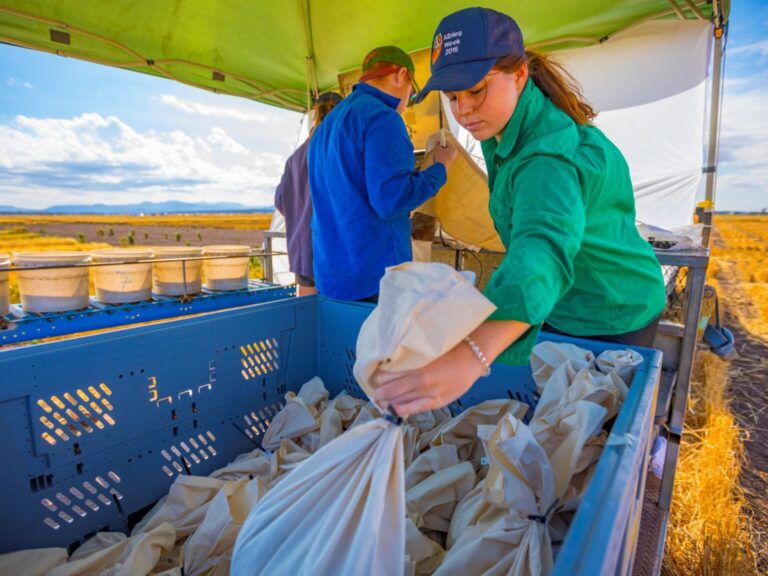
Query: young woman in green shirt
562	202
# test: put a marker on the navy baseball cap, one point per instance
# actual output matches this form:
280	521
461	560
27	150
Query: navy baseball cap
467	44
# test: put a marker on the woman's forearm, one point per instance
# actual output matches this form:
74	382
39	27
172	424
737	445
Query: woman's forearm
495	336
448	377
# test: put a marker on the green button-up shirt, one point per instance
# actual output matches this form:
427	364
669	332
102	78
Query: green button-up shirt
562	202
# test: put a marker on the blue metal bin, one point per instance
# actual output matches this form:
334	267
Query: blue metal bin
93	430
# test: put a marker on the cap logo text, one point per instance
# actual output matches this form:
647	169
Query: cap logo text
452	42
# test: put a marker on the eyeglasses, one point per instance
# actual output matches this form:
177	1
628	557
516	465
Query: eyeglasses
414	87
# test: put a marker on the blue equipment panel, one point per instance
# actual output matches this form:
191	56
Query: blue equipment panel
19	326
95	429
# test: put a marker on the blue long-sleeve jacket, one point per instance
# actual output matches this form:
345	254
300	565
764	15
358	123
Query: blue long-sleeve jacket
363	186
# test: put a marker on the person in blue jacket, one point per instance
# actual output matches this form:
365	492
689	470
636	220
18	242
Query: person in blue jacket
363	180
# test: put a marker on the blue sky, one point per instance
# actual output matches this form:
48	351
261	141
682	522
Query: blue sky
73	132
79	133
743	176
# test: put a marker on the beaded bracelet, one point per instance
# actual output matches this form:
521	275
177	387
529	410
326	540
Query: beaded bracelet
479	355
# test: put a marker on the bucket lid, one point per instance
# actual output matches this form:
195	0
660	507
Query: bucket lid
50	258
121	254
226	249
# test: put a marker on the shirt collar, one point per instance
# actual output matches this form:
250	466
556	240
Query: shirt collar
528	105
390	101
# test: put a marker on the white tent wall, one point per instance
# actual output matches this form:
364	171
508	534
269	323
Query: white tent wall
649	85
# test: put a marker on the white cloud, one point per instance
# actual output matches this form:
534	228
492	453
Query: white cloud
219	137
229	112
736	83
743	179
93	158
15	82
759	48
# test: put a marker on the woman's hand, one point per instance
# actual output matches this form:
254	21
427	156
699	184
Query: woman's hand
447	378
431	387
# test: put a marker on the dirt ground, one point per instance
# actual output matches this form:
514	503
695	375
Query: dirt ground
150	235
748	375
749	393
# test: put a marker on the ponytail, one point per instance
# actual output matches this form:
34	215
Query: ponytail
554	81
321	110
322	107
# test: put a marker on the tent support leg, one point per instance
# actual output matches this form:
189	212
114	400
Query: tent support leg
311	70
714	122
677	9
694	289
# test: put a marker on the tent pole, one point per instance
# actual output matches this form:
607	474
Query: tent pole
311	70
714	119
694	9
677	9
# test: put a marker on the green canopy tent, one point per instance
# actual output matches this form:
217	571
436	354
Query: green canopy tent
284	53
281	53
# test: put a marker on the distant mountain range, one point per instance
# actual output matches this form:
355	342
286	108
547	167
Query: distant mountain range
171	207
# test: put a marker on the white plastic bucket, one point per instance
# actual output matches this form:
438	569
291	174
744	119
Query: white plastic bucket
57	290
121	284
5	297
177	278
226	273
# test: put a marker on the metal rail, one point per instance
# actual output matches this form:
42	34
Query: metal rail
18	326
696	264
269	235
253	254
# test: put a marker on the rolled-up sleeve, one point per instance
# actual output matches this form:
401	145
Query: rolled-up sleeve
547	227
394	187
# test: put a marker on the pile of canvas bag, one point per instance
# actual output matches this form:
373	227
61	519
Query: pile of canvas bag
351	492
481	492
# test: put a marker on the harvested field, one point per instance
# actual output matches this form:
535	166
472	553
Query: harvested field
719	517
193	230
740	270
